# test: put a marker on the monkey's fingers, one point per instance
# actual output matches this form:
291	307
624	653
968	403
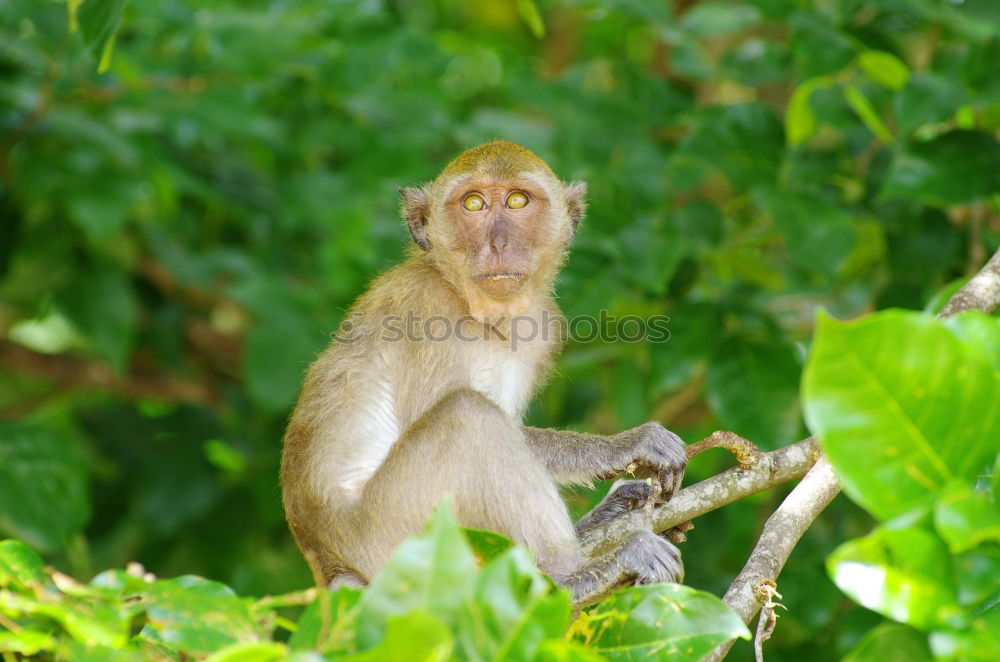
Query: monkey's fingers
670	482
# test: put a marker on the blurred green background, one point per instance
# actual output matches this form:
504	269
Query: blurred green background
180	234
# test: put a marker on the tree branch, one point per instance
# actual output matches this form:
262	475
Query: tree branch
982	292
768	470
781	533
71	372
803	505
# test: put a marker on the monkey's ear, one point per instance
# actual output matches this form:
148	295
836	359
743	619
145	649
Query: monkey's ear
415	208
576	203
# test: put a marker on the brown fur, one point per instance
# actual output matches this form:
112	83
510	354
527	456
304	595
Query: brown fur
384	426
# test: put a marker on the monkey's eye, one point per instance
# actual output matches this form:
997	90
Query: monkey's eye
473	202
516	200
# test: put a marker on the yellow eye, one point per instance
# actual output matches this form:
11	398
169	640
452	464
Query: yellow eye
473	202
516	200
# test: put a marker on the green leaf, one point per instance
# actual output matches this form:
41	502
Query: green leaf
88	620
715	18
250	653
197	616
744	141
560	650
903	574
20	565
884	68
26	642
486	545
927	98
890	642
800	121
820	234
515	609
659	621
966	517
432	573
43	485
413	637
99	21
979	642
531	17
338	615
859	104
753	387
978	330
976	573
956	168
908	395
101	305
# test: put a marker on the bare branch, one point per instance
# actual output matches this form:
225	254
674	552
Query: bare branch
781	533
774	468
982	292
71	372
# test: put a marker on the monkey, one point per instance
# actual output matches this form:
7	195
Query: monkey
388	420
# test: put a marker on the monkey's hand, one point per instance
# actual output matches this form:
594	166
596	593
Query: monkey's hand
623	496
662	452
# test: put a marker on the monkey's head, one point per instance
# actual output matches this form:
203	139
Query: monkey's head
497	223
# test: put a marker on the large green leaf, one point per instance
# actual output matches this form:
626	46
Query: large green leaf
958	167
903	574
196	616
980	642
20	565
99	21
516	608
330	616
927	98
433	573
43	485
891	642
417	636
884	68
659	621
966	517
902	404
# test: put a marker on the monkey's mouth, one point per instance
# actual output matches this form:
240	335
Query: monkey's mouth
501	284
516	275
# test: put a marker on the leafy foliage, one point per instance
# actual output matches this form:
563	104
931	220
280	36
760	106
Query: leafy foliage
428	603
191	193
923	419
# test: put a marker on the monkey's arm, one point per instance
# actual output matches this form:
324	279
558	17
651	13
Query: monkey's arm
577	457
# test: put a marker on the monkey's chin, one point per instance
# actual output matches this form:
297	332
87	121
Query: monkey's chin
501	286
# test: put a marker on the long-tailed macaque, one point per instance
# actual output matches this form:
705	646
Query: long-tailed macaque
424	391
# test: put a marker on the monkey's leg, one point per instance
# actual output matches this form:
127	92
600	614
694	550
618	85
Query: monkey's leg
467	446
644	558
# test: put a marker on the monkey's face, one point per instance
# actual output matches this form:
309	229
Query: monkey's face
497	223
500	226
